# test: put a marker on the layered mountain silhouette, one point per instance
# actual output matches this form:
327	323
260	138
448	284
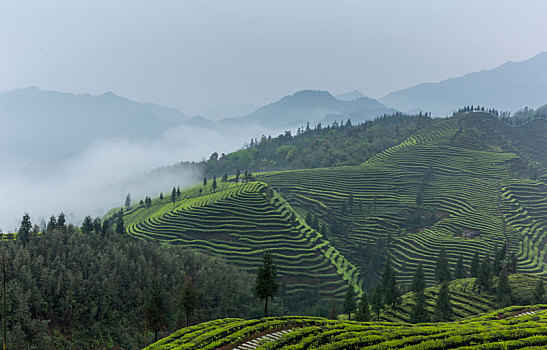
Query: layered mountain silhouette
53	124
312	106
511	86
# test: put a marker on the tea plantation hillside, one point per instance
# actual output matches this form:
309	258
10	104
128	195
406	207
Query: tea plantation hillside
469	183
239	221
511	328
467	300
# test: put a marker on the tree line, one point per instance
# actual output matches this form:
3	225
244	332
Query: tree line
387	292
94	287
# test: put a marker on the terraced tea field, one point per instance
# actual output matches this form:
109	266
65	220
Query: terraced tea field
511	328
461	172
459	183
239	221
467	300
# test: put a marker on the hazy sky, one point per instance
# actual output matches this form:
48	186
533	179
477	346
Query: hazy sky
198	54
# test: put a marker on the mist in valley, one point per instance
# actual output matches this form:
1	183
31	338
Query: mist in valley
100	177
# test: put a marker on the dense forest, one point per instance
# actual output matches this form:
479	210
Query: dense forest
338	144
69	290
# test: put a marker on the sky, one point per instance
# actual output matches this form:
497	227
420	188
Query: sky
194	55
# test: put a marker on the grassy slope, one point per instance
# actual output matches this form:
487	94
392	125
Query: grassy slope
466	299
496	330
239	221
472	186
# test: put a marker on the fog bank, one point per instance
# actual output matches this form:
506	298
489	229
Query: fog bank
99	178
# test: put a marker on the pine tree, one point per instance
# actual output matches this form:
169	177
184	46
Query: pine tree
178	192
266	285
87	225
61	221
333	312
539	292
204	181
442	270
443	308
363	313
460	269
225	177
173	195
377	301
504	296
419	313
97	224
155	309
392	294
214	184
418	281
128	201
484	279
52	223
474	270
148	202
349	302
25	229
120	227
188	301
161	196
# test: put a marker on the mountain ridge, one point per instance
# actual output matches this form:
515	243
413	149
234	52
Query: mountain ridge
510	86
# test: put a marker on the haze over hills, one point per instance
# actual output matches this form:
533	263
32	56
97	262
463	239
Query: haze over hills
350	96
56	125
511	86
312	106
231	110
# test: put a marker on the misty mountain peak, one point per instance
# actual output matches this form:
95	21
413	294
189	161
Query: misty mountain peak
308	96
351	95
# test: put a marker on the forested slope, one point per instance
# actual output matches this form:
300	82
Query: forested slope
467	183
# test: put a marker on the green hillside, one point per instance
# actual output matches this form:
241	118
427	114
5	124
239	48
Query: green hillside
469	183
470	174
503	329
467	300
239	221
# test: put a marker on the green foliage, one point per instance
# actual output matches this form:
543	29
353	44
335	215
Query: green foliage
87	225
475	263
442	270
377	301
443	307
484	279
539	292
349	302
504	296
155	308
459	272
23	235
266	285
363	313
497	330
188	301
120	226
67	290
238	221
390	288
419	312
418	281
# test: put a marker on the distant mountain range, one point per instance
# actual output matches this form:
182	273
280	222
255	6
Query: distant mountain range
511	86
52	125
350	96
311	106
